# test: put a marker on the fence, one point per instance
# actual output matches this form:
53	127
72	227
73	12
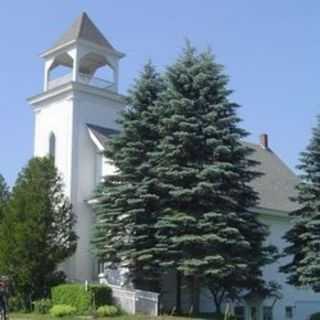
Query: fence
134	301
82	78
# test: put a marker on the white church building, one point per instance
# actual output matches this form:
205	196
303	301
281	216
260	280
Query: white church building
75	115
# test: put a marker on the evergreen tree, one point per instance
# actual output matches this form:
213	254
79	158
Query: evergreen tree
304	235
204	171
127	208
36	233
4	196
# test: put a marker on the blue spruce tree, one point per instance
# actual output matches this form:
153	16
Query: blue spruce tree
304	235
205	229
128	206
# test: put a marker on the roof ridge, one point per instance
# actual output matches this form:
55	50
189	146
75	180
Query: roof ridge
82	17
83	28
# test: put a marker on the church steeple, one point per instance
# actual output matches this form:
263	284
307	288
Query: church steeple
83	49
75	110
83	28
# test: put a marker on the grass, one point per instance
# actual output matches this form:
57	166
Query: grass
32	316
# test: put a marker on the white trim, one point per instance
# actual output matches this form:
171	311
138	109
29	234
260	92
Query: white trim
53	51
75	86
96	141
102	49
62	47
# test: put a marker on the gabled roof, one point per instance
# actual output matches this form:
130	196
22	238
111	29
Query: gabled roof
101	135
277	185
83	28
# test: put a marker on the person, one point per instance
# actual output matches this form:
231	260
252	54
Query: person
3	295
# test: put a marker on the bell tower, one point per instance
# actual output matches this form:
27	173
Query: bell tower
74	115
83	50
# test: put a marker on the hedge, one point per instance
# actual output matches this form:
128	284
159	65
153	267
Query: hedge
60	311
315	316
107	311
101	295
42	306
83	300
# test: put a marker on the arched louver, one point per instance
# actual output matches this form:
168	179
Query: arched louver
52	146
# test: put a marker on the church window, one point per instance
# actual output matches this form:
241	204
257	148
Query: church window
267	313
52	146
253	313
289	312
239	312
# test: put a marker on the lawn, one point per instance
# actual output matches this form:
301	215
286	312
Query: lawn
45	317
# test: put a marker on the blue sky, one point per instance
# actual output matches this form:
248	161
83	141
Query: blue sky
271	51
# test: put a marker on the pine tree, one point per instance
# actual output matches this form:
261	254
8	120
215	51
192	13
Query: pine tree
127	208
4	196
36	233
304	235
204	171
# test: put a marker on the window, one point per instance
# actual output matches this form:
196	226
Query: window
52	146
239	312
254	313
289	312
267	313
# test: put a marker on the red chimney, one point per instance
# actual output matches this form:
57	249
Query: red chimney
264	141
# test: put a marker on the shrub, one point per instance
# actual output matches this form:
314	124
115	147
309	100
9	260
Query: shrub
72	294
107	311
101	295
42	306
62	310
83	300
218	316
315	316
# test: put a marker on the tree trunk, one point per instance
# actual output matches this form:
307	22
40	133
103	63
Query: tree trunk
178	292
218	307
217	300
195	294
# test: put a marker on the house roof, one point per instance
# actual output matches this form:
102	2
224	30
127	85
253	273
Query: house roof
277	184
102	134
84	28
275	187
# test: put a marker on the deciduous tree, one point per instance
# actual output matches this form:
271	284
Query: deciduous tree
37	230
4	196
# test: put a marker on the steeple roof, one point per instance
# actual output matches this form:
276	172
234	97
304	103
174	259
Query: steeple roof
83	28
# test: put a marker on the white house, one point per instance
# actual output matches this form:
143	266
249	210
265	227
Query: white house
76	114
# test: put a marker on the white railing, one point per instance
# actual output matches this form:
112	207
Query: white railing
59	81
134	301
82	78
95	82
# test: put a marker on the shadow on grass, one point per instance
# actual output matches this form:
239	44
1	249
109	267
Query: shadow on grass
32	316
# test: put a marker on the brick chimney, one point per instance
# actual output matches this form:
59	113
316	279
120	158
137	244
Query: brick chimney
264	141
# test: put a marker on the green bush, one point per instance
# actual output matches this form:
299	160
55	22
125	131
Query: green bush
42	306
72	294
62	310
217	316
83	300
107	311
315	316
101	295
